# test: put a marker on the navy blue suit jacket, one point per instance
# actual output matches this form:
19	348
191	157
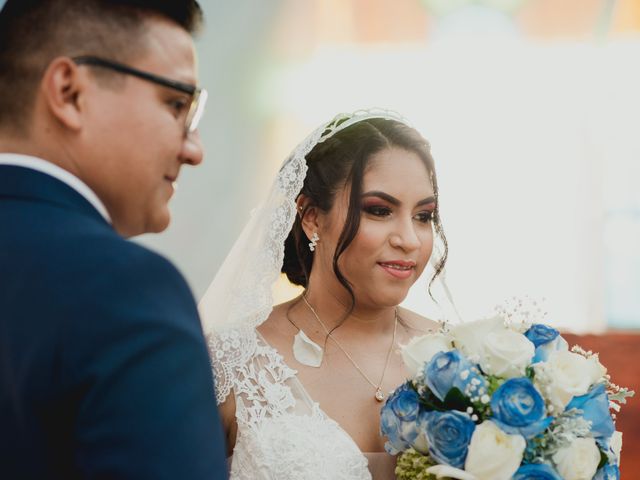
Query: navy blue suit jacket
104	372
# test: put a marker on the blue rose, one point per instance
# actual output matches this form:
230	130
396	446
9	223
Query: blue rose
398	419
405	403
519	408
450	369
536	471
608	472
391	428
546	340
540	334
595	408
448	435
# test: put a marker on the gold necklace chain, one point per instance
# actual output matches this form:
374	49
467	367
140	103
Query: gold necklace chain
379	395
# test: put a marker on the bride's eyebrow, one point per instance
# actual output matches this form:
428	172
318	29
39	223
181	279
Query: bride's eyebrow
426	201
394	201
383	196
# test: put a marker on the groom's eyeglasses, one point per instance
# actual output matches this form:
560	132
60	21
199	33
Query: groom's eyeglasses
198	95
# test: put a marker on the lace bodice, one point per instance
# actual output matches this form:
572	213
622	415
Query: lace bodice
282	433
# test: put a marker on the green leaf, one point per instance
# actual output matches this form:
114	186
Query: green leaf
603	460
456	400
431	402
530	373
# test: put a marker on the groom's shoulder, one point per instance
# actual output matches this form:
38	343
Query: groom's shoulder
109	276
125	287
134	262
100	255
128	269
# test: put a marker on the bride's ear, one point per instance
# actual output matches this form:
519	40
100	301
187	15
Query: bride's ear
308	214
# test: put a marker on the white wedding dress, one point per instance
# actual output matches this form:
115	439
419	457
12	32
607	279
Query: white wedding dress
282	433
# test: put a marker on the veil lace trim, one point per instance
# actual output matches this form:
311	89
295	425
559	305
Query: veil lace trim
240	296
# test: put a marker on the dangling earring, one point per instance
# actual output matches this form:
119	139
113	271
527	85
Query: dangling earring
314	241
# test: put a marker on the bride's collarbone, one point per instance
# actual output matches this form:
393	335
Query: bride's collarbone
336	386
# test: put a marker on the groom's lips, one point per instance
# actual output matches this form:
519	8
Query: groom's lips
172	182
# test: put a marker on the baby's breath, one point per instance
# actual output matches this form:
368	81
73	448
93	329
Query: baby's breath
567	426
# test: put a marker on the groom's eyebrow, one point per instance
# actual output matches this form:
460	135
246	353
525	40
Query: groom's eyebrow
394	201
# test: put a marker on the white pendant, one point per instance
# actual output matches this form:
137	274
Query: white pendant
306	351
379	395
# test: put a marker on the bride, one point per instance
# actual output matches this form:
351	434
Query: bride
352	218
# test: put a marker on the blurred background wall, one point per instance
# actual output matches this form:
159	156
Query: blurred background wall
531	107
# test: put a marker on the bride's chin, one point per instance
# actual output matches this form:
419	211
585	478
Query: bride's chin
388	299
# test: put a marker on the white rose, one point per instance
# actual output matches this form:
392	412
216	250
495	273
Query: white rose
497	348
565	375
615	445
557	344
469	337
506	353
579	460
494	454
421	349
446	471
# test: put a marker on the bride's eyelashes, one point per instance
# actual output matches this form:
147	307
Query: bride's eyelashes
424	216
383	211
377	210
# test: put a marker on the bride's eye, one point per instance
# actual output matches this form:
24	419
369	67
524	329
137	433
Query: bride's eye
377	210
424	217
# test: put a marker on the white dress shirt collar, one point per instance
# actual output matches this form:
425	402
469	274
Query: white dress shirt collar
58	173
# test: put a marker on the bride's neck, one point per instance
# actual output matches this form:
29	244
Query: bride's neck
334	309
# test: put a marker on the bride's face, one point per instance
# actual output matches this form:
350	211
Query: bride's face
395	238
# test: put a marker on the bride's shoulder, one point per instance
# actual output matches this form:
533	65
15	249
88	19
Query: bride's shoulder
277	321
415	323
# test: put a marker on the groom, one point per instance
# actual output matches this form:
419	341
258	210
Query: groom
104	372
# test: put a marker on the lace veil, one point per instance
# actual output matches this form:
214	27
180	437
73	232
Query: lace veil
240	296
241	292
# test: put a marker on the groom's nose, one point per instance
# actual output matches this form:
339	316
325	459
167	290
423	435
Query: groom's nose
192	151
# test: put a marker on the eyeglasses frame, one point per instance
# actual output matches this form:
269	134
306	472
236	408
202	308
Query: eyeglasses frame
198	95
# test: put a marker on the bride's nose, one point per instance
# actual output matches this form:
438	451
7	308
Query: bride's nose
404	235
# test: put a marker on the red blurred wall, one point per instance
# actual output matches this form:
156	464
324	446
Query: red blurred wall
620	353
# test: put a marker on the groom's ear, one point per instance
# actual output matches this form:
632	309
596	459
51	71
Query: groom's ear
308	216
61	89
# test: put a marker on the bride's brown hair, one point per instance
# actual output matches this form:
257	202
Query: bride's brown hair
342	160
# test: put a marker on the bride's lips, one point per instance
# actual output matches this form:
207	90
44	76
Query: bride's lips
401	269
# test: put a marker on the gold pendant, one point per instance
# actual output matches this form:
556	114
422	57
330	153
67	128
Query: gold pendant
379	395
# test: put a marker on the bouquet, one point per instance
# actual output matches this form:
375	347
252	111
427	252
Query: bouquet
499	400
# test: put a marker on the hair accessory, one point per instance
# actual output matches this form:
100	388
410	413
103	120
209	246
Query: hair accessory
241	293
314	241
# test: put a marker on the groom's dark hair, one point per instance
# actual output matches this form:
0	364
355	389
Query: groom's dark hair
34	32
